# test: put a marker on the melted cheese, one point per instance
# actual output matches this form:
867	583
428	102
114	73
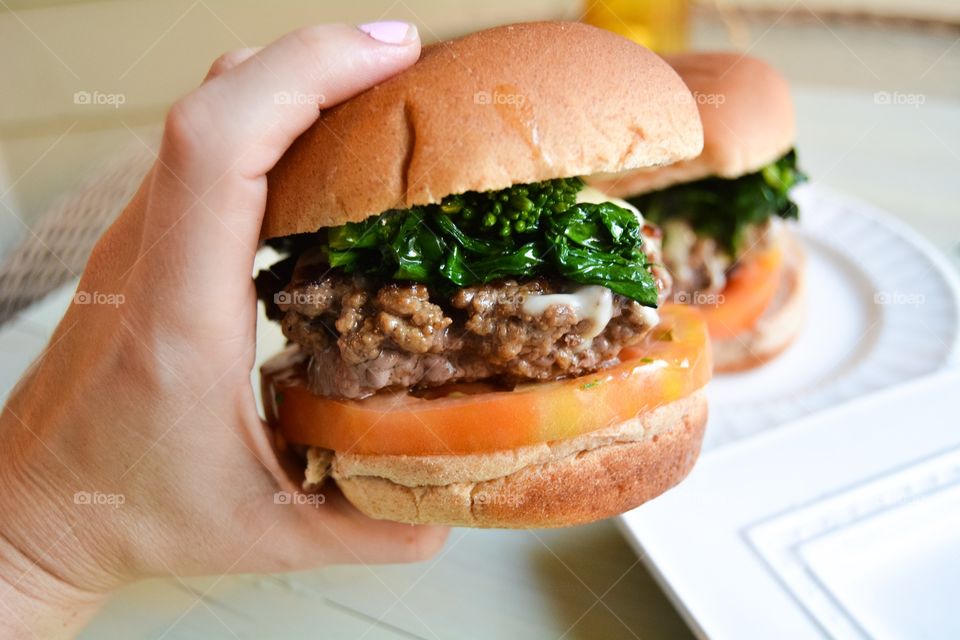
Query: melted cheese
589	194
650	316
593	303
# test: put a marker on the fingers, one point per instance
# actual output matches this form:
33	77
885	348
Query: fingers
337	533
237	125
355	538
396	543
209	187
229	60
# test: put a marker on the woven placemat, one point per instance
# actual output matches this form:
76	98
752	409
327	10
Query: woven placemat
56	249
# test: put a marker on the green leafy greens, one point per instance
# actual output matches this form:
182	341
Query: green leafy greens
724	209
477	237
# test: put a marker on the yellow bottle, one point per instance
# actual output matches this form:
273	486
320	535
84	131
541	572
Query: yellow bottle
660	25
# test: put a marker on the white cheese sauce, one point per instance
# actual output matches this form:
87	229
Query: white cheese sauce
650	316
589	194
593	303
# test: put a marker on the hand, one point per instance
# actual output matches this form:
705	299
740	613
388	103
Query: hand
133	446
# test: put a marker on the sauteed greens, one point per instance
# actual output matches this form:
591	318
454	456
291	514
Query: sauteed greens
476	237
722	208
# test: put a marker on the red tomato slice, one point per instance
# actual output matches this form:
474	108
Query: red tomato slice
671	363
749	291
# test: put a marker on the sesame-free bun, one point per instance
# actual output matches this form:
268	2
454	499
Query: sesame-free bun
552	484
779	325
512	104
748	122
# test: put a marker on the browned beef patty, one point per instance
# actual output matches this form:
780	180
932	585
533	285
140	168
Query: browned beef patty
363	337
699	265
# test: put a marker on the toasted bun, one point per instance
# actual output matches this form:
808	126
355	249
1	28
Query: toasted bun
560	483
513	104
777	327
748	122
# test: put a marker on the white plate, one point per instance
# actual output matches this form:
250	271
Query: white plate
845	524
882	310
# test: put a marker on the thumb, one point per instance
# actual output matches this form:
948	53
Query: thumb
209	187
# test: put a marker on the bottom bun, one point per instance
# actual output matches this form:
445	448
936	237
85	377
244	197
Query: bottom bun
777	327
552	484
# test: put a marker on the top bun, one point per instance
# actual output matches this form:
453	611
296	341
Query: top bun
513	104
748	122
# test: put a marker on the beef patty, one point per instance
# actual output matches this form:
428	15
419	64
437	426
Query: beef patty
363	336
699	265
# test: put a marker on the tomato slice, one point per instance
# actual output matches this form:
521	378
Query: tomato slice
750	290
672	362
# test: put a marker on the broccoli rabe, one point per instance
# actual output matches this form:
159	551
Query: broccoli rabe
517	209
476	237
723	209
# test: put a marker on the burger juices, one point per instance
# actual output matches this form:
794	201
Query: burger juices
489	348
722	213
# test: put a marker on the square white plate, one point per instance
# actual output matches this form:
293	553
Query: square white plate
845	524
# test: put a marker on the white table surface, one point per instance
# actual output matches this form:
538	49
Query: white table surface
582	582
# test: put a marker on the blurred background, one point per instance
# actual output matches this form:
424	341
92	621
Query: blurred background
131	58
87	84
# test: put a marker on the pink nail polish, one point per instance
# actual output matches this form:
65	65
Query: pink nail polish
390	31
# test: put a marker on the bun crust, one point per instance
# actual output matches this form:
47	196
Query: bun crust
561	483
748	122
777	327
513	104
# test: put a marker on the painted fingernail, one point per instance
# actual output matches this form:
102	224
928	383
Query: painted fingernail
390	31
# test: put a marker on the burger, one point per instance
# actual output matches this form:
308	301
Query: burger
723	213
475	338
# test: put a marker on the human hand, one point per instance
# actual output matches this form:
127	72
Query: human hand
133	447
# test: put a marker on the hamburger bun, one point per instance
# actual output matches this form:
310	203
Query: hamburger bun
552	484
510	105
748	122
780	323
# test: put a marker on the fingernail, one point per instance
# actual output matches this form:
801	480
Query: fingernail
390	31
